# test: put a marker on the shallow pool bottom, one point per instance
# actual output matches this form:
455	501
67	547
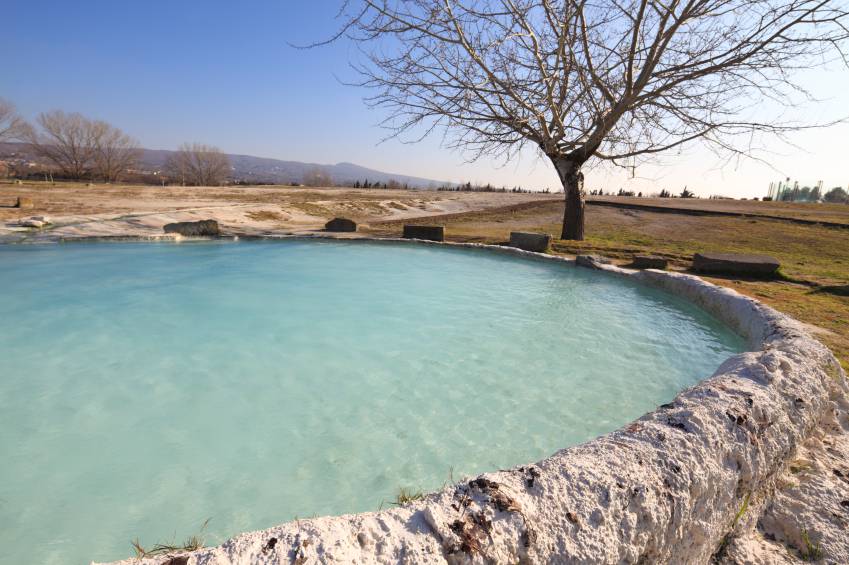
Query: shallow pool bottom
148	387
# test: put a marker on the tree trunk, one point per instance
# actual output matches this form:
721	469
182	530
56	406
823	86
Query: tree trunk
573	188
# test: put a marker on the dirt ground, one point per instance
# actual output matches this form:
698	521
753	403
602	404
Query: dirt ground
802	210
278	207
814	286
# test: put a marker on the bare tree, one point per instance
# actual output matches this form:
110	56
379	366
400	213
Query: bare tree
69	141
80	147
198	164
115	152
317	177
11	124
588	81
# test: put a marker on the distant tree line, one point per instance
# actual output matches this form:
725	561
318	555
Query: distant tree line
367	184
686	193
622	192
317	177
76	147
392	184
469	187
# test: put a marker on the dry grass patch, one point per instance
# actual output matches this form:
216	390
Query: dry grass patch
192	543
265	216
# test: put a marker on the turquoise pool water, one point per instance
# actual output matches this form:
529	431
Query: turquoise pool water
146	387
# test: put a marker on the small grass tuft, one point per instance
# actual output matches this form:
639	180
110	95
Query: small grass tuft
264	216
784	484
192	543
406	496
812	552
723	543
742	510
800	466
833	371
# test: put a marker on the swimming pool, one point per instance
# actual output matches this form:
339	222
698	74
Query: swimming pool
146	387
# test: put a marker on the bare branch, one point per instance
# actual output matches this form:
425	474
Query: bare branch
198	164
591	80
68	141
115	152
12	126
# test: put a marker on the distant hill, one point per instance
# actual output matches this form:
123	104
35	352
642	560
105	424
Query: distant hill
264	170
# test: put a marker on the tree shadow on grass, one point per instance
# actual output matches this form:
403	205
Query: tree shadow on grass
778	276
836	290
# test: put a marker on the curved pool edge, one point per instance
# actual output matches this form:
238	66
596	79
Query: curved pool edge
664	488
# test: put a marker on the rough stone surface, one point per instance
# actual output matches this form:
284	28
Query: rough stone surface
34	222
690	482
591	261
428	233
341	225
810	498
648	262
528	241
196	229
735	264
24	202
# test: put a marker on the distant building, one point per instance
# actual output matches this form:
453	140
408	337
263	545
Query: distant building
785	191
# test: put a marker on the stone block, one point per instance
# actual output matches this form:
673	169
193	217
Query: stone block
539	242
200	228
341	225
592	261
430	233
648	262
735	264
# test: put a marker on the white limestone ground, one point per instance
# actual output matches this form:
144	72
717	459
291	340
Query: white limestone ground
744	467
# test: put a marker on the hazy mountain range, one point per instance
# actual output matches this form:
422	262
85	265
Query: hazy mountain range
262	169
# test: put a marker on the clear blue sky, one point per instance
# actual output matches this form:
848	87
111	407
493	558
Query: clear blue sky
223	73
